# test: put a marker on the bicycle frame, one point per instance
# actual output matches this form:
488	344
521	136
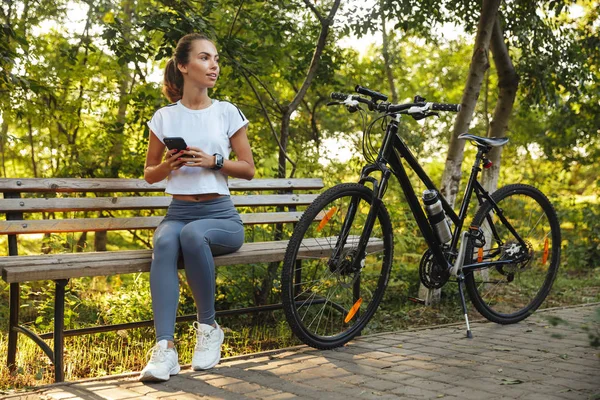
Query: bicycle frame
392	151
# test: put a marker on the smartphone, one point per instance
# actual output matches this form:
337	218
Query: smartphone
175	143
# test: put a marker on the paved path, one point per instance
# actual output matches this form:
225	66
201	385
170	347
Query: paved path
529	360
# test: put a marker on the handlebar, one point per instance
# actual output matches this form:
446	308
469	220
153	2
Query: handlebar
371	93
419	109
445	107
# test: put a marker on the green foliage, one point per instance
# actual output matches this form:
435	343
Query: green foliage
581	233
75	103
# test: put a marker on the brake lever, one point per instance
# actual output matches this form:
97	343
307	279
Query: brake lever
420	116
333	103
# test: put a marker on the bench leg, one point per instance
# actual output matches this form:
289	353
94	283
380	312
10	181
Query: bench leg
13	322
59	326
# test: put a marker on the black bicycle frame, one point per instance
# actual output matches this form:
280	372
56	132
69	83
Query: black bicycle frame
392	151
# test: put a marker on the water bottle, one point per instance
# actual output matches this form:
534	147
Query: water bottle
437	216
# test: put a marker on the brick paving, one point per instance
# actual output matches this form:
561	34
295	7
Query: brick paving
530	360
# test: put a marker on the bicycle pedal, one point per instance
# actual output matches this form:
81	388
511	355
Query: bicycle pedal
416	300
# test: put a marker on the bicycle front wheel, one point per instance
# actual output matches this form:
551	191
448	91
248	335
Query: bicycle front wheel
521	269
331	288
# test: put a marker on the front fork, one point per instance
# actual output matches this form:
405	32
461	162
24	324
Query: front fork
378	191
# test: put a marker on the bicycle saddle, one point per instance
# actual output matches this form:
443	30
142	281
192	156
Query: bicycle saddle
484	141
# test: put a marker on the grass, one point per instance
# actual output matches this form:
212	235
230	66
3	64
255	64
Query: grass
125	351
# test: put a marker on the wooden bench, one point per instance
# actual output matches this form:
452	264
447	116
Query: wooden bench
125	205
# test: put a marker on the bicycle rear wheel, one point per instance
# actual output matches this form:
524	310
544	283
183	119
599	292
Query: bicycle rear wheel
521	275
329	299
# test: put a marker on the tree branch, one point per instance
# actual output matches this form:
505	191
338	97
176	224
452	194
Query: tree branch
266	114
315	11
235	19
264	86
314	64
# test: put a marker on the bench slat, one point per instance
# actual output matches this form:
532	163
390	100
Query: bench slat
98	264
16	227
84	257
139	185
139	203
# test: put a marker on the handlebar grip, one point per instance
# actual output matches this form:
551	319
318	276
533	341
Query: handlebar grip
368	92
445	107
339	96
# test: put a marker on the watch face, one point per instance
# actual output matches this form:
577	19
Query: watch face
218	161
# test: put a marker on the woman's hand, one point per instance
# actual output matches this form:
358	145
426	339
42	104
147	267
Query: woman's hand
195	157
174	159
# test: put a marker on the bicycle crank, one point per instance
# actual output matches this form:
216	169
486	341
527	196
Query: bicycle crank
431	274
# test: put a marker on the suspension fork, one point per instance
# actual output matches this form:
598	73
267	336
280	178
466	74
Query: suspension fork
376	201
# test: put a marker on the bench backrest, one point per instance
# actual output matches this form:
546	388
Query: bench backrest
74	204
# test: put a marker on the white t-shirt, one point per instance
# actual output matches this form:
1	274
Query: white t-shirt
209	129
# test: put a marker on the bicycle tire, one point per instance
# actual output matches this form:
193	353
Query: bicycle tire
312	292
511	292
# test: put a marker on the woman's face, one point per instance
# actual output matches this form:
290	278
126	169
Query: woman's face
203	68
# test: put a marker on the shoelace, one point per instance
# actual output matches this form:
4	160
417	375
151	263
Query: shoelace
202	337
157	354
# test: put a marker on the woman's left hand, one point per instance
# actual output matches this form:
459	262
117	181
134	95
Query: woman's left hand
194	157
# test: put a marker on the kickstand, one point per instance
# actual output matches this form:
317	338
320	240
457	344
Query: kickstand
461	281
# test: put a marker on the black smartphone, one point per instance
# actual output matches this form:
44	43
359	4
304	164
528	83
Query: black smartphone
175	143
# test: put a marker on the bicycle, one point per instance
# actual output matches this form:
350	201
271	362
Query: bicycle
338	260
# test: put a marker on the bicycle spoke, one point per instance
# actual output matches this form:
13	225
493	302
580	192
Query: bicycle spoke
519	282
322	283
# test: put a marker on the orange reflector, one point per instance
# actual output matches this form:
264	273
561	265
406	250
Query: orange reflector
353	310
545	255
480	254
326	218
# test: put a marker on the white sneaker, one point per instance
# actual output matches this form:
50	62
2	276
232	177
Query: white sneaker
207	352
163	363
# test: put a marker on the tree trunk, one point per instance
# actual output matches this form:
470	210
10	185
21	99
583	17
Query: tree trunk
479	64
287	111
385	51
118	137
508	82
310	75
3	133
81	242
32	147
100	237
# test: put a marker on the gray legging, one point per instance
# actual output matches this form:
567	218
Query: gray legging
200	230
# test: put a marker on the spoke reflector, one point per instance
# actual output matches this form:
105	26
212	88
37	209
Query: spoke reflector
326	218
353	310
545	255
480	254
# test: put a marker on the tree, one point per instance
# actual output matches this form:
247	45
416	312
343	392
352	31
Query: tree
508	82
479	64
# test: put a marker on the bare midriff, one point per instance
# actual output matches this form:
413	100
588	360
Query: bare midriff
196	197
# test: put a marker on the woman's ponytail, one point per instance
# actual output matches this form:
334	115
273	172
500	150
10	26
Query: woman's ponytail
173	80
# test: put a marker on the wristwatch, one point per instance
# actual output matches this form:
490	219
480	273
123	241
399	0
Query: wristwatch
218	162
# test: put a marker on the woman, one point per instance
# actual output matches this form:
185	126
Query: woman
201	220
